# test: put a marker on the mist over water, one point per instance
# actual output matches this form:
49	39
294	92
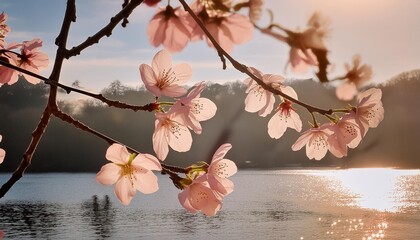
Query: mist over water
275	204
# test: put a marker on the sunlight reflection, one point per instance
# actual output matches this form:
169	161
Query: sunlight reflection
374	188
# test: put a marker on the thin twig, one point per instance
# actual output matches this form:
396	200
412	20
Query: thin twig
112	103
76	123
105	31
51	104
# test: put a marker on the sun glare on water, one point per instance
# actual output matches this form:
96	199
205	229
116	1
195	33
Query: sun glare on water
378	189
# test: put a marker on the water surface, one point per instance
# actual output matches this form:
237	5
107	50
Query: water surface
277	204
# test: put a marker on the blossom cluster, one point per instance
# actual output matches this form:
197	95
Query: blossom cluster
336	136
205	186
174	28
163	78
25	55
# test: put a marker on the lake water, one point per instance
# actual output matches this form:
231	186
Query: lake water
277	204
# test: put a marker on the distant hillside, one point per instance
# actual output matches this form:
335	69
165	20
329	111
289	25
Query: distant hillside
64	148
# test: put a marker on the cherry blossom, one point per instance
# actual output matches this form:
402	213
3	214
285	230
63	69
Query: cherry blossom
227	29
129	173
4	28
258	99
171	28
301	43
345	133
31	59
285	116
162	78
219	170
2	152
194	109
369	111
9	75
315	140
354	79
170	130
206	191
199	197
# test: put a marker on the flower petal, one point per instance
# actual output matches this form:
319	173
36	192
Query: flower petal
302	140
125	190
174	91
346	91
161	62
277	125
179	138
222	186
184	200
223	168
146	181
221	152
117	153
108	174
147	161
2	155
160	141
203	198
183	73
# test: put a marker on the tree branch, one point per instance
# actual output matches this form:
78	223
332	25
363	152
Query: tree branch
51	104
68	119
105	31
244	69
112	103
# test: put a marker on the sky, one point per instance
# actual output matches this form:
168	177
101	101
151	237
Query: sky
384	32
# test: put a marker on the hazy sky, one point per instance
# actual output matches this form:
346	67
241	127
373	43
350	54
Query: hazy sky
385	32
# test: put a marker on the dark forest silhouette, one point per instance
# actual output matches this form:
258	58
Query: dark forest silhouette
66	149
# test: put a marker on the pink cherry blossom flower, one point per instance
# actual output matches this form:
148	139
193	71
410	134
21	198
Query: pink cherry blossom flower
171	28
129	173
164	79
302	43
227	29
151	3
316	142
8	75
170	130
2	152
4	28
369	111
194	109
31	59
345	133
219	170
258	99
354	79
284	117
199	197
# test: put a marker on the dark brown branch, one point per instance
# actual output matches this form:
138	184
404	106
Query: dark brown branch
244	69
68	119
27	156
51	105
105	31
112	103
